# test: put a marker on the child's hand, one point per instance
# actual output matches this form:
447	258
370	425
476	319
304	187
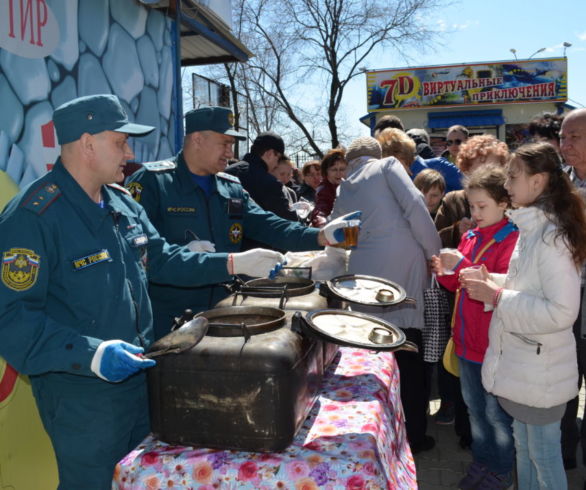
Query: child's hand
481	290
436	265
449	258
473	272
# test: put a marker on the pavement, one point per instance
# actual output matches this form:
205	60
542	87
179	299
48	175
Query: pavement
444	466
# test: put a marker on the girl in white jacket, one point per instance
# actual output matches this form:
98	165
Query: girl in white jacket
530	364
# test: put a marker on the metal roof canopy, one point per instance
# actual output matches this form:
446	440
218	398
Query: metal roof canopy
205	38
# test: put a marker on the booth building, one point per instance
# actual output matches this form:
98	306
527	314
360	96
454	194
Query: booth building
498	98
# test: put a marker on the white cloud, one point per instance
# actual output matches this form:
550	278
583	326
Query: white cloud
444	26
582	36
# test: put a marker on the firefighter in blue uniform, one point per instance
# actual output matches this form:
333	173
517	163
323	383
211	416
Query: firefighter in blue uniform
74	309
191	201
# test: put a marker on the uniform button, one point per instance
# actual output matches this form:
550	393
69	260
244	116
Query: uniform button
76	366
69	346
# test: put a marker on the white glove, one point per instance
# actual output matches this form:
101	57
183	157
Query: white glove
201	246
334	230
257	262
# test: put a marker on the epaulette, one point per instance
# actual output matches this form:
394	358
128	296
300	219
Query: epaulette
41	198
120	188
231	178
160	166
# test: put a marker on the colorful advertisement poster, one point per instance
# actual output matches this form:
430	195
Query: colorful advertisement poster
504	82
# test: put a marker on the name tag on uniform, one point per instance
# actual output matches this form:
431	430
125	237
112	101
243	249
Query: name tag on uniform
180	210
235	208
140	240
92	259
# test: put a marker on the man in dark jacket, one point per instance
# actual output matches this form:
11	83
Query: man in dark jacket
254	172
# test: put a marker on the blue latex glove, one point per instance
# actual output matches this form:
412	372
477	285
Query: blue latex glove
334	230
275	270
116	360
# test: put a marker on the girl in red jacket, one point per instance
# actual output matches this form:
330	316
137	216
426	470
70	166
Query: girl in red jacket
490	243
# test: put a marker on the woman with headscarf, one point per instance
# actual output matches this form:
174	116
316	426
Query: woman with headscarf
396	240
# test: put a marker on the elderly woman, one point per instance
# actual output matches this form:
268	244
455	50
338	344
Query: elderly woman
333	170
396	240
453	217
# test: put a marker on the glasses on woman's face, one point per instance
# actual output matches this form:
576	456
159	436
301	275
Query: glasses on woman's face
454	142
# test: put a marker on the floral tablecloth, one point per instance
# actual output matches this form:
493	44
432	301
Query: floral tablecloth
354	438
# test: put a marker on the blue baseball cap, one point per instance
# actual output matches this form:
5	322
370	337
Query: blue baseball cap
93	114
218	119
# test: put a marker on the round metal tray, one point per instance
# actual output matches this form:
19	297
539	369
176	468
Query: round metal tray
353	329
367	290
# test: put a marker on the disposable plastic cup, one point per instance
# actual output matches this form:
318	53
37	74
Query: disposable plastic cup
445	270
350	235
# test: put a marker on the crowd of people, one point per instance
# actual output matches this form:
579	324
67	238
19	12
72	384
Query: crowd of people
511	228
504	232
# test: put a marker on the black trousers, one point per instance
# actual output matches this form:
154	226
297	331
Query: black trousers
571	435
414	387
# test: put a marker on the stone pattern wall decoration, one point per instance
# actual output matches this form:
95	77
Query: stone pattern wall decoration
104	46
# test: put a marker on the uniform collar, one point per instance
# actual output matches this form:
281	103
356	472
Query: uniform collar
91	214
188	185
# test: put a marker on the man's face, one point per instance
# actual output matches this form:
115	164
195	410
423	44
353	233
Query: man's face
208	152
573	140
110	154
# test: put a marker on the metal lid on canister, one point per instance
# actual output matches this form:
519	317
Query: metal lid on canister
354	329
366	290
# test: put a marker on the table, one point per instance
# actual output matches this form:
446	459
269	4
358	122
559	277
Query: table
354	438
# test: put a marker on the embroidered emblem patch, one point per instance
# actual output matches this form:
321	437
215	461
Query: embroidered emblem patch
20	268
135	190
235	233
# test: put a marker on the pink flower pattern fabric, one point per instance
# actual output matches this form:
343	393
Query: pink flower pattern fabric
353	439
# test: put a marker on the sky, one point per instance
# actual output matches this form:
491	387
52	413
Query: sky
475	30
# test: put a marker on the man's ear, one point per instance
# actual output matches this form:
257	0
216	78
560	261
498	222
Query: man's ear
87	143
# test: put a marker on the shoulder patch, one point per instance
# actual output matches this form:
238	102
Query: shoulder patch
231	178
160	166
41	198
120	188
135	189
20	268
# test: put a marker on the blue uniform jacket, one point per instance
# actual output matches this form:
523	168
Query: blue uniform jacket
181	211
74	274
